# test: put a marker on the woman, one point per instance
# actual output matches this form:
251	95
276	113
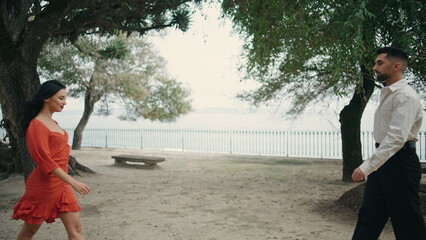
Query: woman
48	194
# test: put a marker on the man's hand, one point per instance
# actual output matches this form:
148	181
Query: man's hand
358	175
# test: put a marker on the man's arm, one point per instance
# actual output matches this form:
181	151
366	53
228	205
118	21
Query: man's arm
402	119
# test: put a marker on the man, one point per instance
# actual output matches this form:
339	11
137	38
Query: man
394	171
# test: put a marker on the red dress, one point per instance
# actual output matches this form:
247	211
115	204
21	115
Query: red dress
46	195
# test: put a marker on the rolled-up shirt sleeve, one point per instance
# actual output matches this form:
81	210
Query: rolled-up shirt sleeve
37	137
402	119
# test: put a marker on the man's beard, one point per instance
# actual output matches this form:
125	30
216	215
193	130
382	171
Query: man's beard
382	78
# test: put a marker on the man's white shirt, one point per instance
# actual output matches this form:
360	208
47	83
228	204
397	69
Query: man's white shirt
397	119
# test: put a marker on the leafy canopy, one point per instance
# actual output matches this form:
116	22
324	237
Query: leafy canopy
117	70
310	49
37	20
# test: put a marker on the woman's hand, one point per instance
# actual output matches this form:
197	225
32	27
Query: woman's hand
80	187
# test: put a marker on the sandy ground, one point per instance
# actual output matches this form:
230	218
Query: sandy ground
201	196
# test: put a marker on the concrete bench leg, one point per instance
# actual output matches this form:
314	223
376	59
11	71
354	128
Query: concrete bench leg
150	164
119	162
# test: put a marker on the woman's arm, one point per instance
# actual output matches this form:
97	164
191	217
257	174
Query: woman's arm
80	187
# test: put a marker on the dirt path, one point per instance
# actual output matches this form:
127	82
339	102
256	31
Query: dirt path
202	196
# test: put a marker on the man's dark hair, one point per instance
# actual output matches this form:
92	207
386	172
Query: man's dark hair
394	52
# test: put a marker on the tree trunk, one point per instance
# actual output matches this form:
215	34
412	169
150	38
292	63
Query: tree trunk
89	103
91	97
5	160
18	83
21	43
75	167
350	125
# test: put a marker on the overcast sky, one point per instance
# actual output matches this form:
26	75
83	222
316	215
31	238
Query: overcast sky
205	58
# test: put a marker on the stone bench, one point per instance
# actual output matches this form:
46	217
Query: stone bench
147	160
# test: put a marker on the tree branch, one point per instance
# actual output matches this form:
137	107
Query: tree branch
93	54
108	15
14	17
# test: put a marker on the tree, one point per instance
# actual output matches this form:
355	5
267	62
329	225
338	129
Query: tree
123	70
315	50
27	25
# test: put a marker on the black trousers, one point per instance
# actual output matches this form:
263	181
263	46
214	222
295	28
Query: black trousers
393	191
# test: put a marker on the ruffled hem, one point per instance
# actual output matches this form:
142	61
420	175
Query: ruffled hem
37	213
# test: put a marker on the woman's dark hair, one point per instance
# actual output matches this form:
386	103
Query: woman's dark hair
33	107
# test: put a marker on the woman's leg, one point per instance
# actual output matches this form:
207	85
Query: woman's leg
71	221
27	231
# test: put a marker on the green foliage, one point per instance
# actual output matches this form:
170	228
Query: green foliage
181	18
37	20
309	49
166	102
116	49
117	70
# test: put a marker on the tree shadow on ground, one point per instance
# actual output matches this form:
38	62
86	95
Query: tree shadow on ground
286	161
135	166
347	206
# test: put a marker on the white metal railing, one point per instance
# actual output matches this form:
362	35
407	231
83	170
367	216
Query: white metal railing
309	144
